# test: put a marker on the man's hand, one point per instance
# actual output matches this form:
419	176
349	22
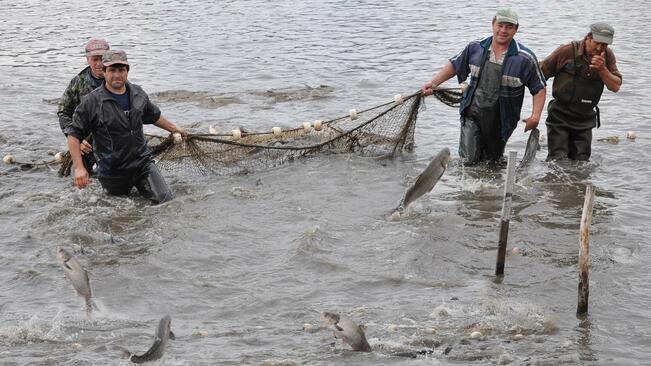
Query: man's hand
598	62
81	177
531	122
182	132
85	147
428	89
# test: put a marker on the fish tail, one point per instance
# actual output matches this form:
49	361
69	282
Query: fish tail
89	309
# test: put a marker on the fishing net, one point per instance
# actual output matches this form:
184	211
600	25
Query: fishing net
381	131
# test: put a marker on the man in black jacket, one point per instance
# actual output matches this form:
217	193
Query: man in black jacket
115	114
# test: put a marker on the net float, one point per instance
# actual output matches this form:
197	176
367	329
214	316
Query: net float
353	114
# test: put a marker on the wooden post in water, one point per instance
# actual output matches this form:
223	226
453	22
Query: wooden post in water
584	251
506	212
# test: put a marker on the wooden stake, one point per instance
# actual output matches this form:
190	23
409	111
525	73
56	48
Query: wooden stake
584	251
506	212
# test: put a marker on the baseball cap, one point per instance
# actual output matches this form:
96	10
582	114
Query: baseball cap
506	15
114	58
602	32
96	47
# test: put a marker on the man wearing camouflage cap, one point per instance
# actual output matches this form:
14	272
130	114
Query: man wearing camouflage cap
499	69
115	114
580	70
83	83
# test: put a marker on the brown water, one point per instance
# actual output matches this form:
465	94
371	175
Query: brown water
242	262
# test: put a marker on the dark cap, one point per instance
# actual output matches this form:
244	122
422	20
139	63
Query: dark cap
96	47
114	58
602	32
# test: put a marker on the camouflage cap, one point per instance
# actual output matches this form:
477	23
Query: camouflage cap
506	15
602	32
96	47
114	58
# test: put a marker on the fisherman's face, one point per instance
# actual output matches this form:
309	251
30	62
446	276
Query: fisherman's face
96	67
116	76
593	47
503	33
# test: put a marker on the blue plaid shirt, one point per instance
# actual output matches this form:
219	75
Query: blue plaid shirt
519	69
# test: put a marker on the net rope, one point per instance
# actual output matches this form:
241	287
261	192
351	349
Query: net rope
381	131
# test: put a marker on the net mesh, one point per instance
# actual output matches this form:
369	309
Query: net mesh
383	130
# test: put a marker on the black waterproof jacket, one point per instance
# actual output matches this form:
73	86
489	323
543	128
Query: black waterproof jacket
119	143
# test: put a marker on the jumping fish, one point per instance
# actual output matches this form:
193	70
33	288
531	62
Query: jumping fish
533	145
163	334
77	276
427	179
349	332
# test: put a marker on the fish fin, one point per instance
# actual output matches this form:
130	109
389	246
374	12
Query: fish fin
124	353
65	264
362	327
401	207
172	336
414	354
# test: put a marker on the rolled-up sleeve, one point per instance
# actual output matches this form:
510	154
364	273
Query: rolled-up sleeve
536	80
461	64
612	63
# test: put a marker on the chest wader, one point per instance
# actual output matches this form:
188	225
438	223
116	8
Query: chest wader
480	126
573	112
148	180
145	176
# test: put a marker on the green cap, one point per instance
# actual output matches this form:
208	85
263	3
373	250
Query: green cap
506	15
114	58
602	32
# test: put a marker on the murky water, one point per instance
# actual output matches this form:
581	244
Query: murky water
241	263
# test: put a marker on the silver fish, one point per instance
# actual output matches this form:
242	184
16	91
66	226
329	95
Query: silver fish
427	179
162	336
294	94
533	145
77	276
349	332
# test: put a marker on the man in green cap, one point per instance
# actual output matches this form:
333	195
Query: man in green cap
580	70
499	69
115	114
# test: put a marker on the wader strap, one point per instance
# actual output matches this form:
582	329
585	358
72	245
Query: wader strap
575	47
578	65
